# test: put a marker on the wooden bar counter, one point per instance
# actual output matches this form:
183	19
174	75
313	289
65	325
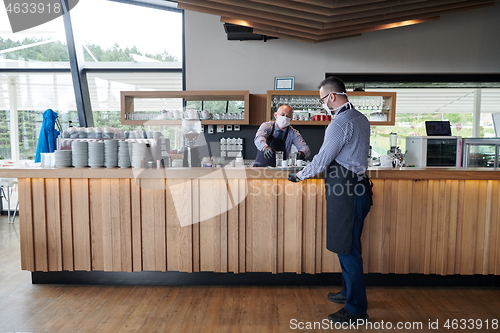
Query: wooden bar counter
428	221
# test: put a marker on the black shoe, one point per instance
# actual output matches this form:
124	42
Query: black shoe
336	298
342	316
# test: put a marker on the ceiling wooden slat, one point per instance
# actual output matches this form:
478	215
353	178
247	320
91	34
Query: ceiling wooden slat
206	8
325	37
295	37
243	6
324	16
404	16
267	24
256	9
321	20
337	3
337	11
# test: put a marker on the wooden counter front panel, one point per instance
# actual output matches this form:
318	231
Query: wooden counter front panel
258	225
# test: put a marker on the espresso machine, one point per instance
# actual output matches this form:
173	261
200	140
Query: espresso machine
191	129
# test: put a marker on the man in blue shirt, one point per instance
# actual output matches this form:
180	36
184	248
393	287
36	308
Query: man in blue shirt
343	157
273	136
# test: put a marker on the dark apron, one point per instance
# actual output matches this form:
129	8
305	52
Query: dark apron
341	186
276	144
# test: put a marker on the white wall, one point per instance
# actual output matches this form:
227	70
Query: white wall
465	42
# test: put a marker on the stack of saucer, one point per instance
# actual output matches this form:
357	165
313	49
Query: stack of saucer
111	153
80	154
96	154
62	158
123	154
138	154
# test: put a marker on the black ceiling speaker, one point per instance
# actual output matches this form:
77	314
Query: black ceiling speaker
241	33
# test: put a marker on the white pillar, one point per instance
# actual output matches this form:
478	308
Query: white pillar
476	116
14	123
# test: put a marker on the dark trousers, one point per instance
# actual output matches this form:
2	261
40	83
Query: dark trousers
352	265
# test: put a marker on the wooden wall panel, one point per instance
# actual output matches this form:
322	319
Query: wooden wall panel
153	224
425	226
97	222
280	233
469	227
123	217
54	241
66	224
225	197
480	221
108	225
291	210
179	237
309	207
243	192
26	224
210	224
137	228
148	228
40	224
494	232
460	214
233	226
403	227
116	225
262	226
418	213
320	216
372	231
81	223
453	192
195	211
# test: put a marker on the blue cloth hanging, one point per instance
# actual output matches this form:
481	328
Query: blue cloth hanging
47	142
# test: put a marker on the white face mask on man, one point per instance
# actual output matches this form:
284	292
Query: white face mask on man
283	121
328	110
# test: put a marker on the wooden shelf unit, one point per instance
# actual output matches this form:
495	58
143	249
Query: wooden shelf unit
128	107
388	107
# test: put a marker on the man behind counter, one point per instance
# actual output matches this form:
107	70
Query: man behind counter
273	136
343	158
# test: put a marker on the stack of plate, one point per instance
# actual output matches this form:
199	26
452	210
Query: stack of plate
111	153
123	154
138	154
96	154
62	158
80	154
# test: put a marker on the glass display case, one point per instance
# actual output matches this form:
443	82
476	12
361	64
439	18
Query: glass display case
481	152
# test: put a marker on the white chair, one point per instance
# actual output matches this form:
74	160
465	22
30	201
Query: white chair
6	190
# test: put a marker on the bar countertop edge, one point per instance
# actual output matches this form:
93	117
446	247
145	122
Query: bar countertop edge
243	173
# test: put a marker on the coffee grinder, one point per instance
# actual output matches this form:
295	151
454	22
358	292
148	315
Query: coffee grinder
191	129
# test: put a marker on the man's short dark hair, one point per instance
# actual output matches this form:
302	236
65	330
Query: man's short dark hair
332	84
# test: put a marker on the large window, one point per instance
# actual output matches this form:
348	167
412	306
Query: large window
26	96
117	32
414	106
43	46
126	47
